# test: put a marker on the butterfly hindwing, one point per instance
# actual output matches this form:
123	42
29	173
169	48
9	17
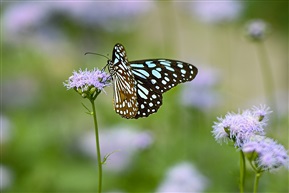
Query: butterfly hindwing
149	98
156	76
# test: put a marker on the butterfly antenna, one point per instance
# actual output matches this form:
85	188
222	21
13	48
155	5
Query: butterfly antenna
98	55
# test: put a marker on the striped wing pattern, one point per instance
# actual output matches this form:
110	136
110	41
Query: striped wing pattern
124	84
138	85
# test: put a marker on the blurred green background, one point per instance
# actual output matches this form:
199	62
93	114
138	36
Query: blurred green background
47	140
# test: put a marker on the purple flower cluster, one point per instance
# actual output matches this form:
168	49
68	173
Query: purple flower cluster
246	130
270	154
83	79
88	83
242	125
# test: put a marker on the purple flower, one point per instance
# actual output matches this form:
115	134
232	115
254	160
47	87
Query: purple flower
261	112
88	82
239	127
266	153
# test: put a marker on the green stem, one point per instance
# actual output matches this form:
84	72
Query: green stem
254	167
267	74
242	171
256	182
97	147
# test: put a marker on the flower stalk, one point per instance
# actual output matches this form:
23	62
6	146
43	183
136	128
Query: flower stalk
257	31
99	162
89	84
266	73
256	182
242	171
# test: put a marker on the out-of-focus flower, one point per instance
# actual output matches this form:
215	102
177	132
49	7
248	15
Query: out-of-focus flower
28	23
44	25
257	29
5	129
120	143
266	153
217	11
28	86
25	17
239	127
88	83
6	178
201	92
110	15
183	177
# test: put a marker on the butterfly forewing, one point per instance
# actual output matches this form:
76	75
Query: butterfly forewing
125	96
163	74
138	85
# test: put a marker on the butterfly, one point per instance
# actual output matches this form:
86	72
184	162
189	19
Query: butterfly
138	85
